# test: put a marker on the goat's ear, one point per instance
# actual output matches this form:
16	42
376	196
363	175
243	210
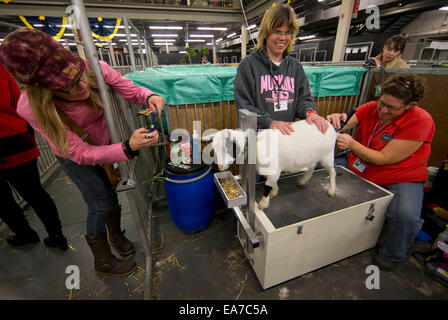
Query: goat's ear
209	137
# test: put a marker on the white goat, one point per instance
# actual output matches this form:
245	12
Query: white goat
298	151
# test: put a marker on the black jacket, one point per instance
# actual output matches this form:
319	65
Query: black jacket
274	93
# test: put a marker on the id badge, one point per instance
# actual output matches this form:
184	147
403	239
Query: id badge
377	91
281	106
358	165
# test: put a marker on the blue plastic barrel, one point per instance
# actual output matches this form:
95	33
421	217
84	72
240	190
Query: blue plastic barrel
191	196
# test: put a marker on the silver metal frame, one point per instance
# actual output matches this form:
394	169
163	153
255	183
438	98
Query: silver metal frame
420	60
248	122
365	86
307	49
358	44
325	55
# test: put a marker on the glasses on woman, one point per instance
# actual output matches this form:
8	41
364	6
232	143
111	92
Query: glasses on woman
74	83
278	33
390	108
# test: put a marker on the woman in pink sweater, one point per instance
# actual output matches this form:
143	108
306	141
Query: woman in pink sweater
56	80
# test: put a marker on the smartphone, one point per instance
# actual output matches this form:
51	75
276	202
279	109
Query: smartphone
152	121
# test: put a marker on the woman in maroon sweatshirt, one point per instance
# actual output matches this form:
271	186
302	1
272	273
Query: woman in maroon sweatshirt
18	167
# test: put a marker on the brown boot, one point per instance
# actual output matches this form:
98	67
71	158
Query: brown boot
106	263
116	236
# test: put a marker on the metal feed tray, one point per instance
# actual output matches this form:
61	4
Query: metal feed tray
230	203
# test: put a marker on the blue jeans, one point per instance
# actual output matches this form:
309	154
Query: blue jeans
341	161
402	217
97	193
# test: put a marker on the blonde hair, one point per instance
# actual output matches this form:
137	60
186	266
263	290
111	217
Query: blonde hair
276	17
43	107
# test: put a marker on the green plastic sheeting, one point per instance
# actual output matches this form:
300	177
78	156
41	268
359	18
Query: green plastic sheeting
208	83
335	81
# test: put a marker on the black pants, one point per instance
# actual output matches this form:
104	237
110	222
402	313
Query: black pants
25	179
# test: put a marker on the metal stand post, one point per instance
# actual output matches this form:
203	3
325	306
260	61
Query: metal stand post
128	37
246	215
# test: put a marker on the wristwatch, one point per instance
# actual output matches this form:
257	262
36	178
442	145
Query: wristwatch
131	154
147	98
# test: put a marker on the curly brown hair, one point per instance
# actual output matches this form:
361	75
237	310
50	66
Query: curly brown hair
408	88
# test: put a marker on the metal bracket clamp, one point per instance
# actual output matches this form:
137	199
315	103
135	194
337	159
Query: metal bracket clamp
126	185
370	215
255	242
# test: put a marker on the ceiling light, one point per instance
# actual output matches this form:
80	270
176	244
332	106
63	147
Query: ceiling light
307	37
163	44
165	40
231	35
105	43
113	27
218	40
182	51
212	28
195	40
209	44
163	35
251	26
166	27
201	35
123	35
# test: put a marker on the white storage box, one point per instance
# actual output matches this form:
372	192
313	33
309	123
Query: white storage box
304	229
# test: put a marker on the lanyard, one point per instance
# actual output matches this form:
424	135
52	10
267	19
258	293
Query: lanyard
374	132
279	86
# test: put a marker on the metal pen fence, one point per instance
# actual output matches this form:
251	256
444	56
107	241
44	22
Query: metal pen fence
218	115
46	163
223	114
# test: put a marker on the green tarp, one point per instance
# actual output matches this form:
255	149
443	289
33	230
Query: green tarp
208	83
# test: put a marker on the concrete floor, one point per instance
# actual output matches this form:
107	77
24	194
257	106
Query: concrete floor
206	265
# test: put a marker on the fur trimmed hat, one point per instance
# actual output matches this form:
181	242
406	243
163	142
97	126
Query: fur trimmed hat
35	58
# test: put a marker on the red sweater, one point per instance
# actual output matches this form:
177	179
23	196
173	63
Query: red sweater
415	124
17	142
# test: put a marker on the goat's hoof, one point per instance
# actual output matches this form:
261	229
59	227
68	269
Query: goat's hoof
263	203
273	193
331	193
